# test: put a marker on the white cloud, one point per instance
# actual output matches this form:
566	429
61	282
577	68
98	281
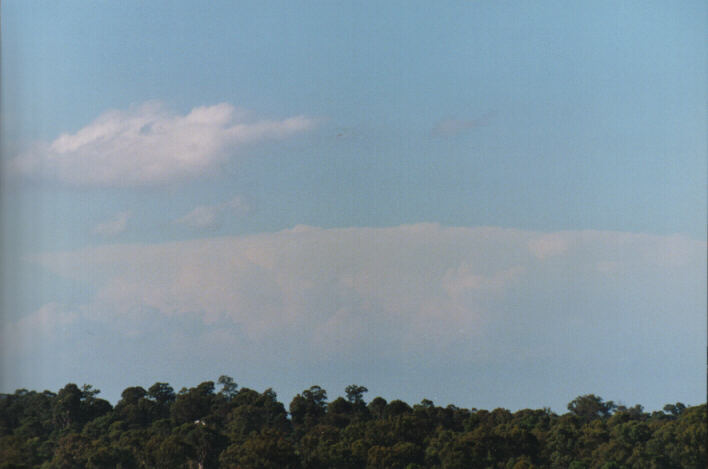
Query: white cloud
200	217
549	245
207	216
403	285
49	316
463	278
149	144
31	331
466	308
237	205
305	277
114	226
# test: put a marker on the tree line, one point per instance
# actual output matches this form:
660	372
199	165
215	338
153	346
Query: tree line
219	425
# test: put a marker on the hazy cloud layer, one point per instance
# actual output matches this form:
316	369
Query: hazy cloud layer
582	308
150	144
207	216
116	225
337	285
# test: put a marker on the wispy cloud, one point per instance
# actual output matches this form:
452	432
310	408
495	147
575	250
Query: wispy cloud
237	205
452	127
208	216
202	216
114	226
150	144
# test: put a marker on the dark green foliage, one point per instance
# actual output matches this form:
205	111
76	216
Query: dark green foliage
590	407
266	450
308	408
243	428
251	412
355	393
228	386
193	404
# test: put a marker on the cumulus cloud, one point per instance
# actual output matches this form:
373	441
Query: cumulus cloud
487	311
49	316
305	277
463	278
114	226
207	216
32	330
150	144
333	287
549	245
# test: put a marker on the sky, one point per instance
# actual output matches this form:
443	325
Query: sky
486	204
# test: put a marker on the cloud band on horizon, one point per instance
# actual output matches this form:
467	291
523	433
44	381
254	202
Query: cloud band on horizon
579	307
420	280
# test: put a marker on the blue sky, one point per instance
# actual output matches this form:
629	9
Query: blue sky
481	203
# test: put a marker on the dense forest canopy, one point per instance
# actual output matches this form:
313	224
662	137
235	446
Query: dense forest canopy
219	425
